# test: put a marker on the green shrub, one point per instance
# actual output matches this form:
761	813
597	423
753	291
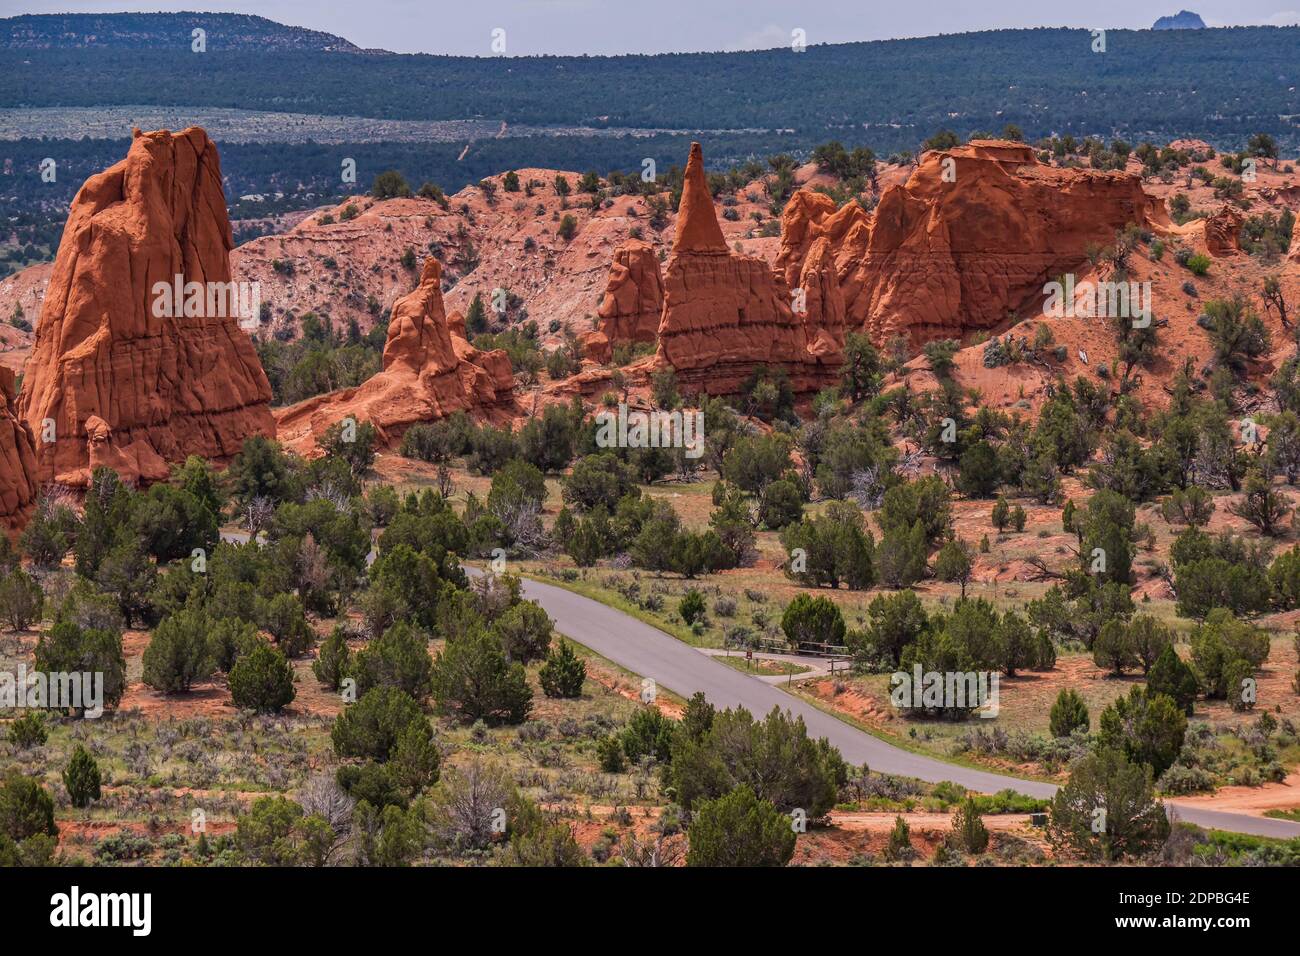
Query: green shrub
968	829
262	680
81	778
179	653
899	846
472	680
692	607
739	829
28	730
563	673
813	620
1069	713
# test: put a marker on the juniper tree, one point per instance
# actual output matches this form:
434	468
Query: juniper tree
1147	727
1170	676
1107	810
740	829
1069	713
563	673
81	778
262	680
968	828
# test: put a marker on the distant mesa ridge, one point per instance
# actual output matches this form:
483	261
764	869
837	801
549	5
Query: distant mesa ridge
1182	20
225	31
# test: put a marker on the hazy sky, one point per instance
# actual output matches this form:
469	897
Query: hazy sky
657	26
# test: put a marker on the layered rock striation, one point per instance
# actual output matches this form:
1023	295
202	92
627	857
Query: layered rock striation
1223	232
18	481
139	359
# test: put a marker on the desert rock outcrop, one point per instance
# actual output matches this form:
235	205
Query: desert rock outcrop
725	314
429	372
1223	232
18	482
633	301
122	373
967	242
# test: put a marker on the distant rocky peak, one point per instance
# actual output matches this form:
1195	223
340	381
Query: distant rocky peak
1182	20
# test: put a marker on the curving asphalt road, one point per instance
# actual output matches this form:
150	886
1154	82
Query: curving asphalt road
649	652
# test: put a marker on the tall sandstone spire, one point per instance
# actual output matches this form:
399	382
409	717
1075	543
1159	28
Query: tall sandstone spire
726	314
111	380
697	223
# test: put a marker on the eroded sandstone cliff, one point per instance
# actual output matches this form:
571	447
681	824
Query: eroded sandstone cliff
18	482
633	302
117	375
966	243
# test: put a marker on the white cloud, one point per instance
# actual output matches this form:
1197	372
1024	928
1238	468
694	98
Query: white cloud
765	38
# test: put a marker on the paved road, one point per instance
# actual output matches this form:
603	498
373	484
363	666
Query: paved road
649	652
814	667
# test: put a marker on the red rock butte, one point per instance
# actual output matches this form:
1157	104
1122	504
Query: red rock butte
726	314
430	371
965	244
112	381
18	482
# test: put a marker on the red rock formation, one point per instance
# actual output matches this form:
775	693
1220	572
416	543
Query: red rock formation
810	216
724	314
1223	232
430	371
18	482
824	302
115	381
633	301
967	242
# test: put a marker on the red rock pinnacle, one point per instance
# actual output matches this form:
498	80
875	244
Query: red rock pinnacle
697	222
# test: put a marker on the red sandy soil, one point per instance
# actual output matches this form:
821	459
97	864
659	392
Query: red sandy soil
849	833
1252	801
629	688
557	279
212	698
853	834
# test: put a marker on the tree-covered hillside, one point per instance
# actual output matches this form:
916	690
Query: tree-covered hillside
136	31
1219	84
